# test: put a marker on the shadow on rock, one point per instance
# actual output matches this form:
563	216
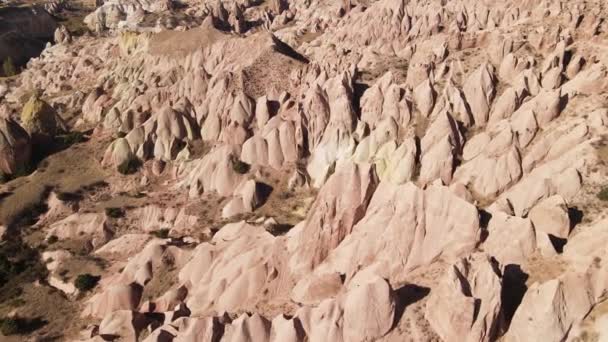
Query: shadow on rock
405	296
513	290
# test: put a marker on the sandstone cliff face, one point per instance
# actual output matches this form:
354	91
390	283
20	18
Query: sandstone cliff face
330	171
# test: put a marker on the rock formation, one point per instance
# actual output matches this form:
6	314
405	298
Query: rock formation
15	147
351	171
41	120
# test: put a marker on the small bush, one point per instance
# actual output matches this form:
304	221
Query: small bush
129	167
8	67
68	196
240	167
9	326
603	194
20	171
52	239
86	282
114	212
20	326
161	233
19	262
71	138
7	269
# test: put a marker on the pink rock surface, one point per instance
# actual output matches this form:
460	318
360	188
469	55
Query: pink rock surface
350	171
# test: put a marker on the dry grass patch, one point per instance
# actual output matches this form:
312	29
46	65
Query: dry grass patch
68	171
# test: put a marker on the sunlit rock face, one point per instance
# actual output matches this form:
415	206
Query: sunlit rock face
287	170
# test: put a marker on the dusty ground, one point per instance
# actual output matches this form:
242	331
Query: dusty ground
69	170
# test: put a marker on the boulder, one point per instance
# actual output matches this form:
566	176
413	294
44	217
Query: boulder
41	121
551	216
15	148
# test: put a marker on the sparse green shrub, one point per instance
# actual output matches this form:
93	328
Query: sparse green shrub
69	196
19	262
8	67
20	326
20	171
129	167
71	138
603	194
9	268
23	170
9	326
86	282
161	233
240	167
114	212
